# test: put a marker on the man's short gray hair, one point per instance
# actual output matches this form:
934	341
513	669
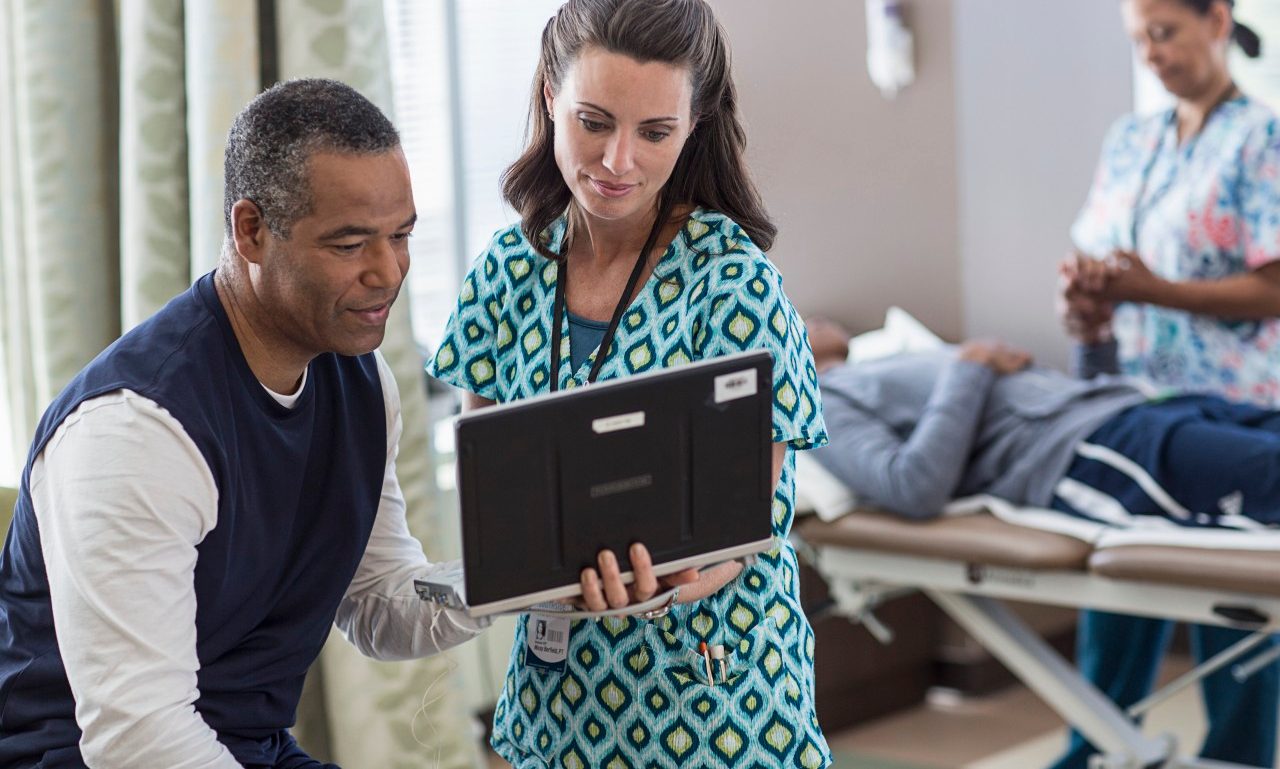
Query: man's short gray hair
272	138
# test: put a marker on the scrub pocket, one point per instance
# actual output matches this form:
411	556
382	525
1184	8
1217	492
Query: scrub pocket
759	699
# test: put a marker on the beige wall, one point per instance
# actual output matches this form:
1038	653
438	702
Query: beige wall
1037	84
863	189
952	200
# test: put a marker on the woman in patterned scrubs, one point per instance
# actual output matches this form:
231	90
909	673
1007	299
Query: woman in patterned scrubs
633	185
1181	235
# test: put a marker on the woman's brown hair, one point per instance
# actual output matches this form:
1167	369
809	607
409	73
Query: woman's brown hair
710	171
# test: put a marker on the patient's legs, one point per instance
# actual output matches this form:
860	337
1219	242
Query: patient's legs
1226	461
1242	716
1193	459
1120	655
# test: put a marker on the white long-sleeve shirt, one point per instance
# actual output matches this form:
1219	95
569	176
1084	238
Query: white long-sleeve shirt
123	496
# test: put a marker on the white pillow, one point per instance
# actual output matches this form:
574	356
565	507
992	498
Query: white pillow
901	333
818	491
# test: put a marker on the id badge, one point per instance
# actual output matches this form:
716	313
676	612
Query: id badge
547	642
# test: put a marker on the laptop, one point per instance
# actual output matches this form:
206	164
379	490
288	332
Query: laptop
679	459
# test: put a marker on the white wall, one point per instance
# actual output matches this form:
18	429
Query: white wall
863	189
1037	84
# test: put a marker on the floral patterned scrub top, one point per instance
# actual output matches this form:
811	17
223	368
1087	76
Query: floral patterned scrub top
633	692
1203	211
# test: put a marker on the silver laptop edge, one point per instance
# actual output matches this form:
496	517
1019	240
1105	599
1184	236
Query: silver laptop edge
449	595
670	567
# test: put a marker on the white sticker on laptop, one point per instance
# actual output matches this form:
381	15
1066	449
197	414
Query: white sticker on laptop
618	422
739	384
547	639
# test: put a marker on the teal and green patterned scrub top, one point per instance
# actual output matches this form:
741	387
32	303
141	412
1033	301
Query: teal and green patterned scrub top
634	692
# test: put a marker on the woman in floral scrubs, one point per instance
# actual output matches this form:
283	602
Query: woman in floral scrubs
1181	236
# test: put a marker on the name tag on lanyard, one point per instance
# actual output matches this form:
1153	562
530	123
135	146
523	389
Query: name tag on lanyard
547	642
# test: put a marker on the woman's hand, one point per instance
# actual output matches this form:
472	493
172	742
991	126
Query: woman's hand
602	587
1086	296
1084	312
1129	279
1251	295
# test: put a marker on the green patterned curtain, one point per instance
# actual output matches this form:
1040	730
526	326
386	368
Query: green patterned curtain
113	118
154	231
57	204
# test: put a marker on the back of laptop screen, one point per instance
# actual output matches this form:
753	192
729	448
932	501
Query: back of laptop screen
679	462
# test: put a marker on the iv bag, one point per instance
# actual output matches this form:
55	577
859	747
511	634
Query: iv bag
890	49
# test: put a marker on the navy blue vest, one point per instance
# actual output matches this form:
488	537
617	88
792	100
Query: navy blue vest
298	490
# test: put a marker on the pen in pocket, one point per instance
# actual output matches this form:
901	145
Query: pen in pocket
717	653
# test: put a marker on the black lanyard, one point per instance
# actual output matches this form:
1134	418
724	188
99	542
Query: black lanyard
1139	210
562	281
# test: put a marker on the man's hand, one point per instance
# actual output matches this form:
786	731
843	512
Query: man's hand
602	587
997	356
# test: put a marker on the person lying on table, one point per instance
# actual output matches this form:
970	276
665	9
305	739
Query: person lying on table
912	431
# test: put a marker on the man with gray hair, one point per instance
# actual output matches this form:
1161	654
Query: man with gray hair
218	487
215	490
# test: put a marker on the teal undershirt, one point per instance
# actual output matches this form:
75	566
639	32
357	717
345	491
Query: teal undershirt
584	337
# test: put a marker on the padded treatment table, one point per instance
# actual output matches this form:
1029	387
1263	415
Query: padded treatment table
968	564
